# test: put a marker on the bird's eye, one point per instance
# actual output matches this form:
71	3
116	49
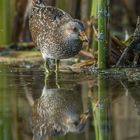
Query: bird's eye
76	123
75	29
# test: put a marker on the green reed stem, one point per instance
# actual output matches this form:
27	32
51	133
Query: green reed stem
94	8
61	4
101	110
102	32
94	13
6	21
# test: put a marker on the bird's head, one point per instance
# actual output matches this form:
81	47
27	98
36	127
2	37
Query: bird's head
75	31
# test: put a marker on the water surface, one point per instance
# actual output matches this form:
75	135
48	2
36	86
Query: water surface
74	106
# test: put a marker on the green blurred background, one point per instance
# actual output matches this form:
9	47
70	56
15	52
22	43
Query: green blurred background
14	16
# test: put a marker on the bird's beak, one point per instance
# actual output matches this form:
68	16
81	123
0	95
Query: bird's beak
83	36
84	117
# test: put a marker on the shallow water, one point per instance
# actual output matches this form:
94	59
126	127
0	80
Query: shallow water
74	106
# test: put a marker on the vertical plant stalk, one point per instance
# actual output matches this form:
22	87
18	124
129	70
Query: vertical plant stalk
72	7
7	101
94	8
61	4
3	22
102	33
90	2
84	9
101	110
104	109
6	17
94	14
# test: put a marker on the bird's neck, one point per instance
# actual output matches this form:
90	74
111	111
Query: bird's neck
73	42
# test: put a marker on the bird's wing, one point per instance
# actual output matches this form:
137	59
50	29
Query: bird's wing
55	15
46	18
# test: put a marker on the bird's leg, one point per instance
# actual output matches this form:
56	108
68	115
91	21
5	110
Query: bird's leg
56	72
57	65
49	65
46	78
46	66
57	83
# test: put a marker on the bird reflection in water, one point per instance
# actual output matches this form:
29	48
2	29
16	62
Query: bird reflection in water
57	112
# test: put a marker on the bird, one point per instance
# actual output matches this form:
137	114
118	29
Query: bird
55	33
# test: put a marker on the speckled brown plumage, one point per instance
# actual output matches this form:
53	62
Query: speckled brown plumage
51	31
57	112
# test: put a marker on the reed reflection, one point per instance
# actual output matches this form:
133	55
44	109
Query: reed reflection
101	110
